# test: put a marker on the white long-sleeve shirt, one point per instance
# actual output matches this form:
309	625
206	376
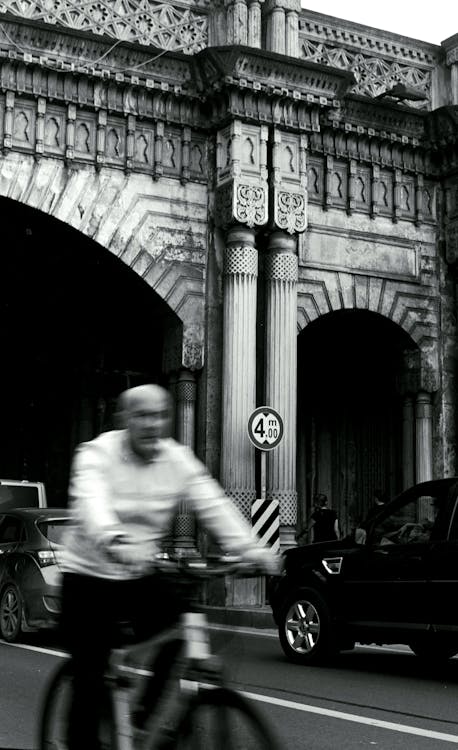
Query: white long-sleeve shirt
112	490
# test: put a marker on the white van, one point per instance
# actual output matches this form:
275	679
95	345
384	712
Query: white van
21	494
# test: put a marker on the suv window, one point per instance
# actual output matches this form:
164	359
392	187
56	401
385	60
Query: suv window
411	523
11	530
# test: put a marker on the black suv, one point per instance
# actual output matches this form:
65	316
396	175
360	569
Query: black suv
399	585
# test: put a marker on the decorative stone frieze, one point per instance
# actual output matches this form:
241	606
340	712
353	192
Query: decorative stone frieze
352	186
146	22
273	73
241	174
378	59
54	129
288	182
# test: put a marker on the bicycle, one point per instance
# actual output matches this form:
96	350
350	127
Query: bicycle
197	707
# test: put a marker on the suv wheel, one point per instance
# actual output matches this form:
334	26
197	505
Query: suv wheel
305	628
10	614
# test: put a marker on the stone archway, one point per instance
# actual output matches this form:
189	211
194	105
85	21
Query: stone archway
158	229
351	370
77	326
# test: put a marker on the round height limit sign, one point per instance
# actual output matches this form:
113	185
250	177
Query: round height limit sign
265	428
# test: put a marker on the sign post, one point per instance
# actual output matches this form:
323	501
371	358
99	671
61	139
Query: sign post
265	430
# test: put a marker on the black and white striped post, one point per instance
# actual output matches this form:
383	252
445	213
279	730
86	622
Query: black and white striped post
265	430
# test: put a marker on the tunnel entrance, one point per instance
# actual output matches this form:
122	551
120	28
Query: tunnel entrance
77	326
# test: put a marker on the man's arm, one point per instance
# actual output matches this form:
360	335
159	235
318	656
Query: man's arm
218	513
89	494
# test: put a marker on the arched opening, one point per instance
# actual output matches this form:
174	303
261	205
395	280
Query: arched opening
350	366
77	326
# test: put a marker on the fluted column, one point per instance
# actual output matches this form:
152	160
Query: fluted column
239	366
185	415
292	33
283	26
254	23
423	437
276	30
408	443
237	21
281	269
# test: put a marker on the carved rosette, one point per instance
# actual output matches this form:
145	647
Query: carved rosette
290	211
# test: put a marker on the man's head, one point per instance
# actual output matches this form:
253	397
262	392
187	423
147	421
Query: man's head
145	412
320	500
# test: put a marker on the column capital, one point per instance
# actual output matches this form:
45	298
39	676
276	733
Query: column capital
287	5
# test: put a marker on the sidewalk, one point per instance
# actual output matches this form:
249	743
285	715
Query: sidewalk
248	617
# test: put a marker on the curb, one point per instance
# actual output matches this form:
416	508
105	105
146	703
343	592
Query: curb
247	617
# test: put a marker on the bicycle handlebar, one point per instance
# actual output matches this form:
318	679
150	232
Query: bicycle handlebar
202	568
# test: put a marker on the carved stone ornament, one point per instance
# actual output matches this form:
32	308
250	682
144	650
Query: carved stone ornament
149	23
250	204
290	211
243	203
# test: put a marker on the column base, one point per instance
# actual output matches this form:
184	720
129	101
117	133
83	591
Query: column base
245	592
287	537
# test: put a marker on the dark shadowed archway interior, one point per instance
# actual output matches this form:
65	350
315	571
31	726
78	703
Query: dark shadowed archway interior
77	327
349	411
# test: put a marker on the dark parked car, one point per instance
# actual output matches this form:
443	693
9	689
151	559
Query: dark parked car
399	586
29	573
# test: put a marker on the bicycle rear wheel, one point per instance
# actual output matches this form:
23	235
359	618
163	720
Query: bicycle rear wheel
222	719
55	712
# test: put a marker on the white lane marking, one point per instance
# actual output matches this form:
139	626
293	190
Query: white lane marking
404	728
281	702
244	631
39	649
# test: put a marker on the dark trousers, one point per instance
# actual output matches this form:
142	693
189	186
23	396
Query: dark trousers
91	611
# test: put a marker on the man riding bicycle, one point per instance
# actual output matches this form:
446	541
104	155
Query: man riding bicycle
125	488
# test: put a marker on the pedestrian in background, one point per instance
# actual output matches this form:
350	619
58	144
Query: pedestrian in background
323	522
325	525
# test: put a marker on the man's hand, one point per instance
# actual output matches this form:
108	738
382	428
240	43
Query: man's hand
132	554
264	559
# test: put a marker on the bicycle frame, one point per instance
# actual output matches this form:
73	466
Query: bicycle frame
196	665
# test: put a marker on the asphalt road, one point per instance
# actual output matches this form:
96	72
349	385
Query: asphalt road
371	697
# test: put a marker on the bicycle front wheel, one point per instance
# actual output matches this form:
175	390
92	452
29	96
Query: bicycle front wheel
222	719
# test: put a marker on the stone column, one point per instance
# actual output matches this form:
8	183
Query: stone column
254	23
237	21
423	437
281	271
292	33
239	366
408	443
283	26
276	30
185	389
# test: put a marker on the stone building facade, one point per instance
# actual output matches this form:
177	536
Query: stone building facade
280	189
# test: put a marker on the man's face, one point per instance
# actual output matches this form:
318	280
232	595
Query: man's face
147	420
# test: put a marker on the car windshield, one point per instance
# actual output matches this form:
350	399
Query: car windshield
52	530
